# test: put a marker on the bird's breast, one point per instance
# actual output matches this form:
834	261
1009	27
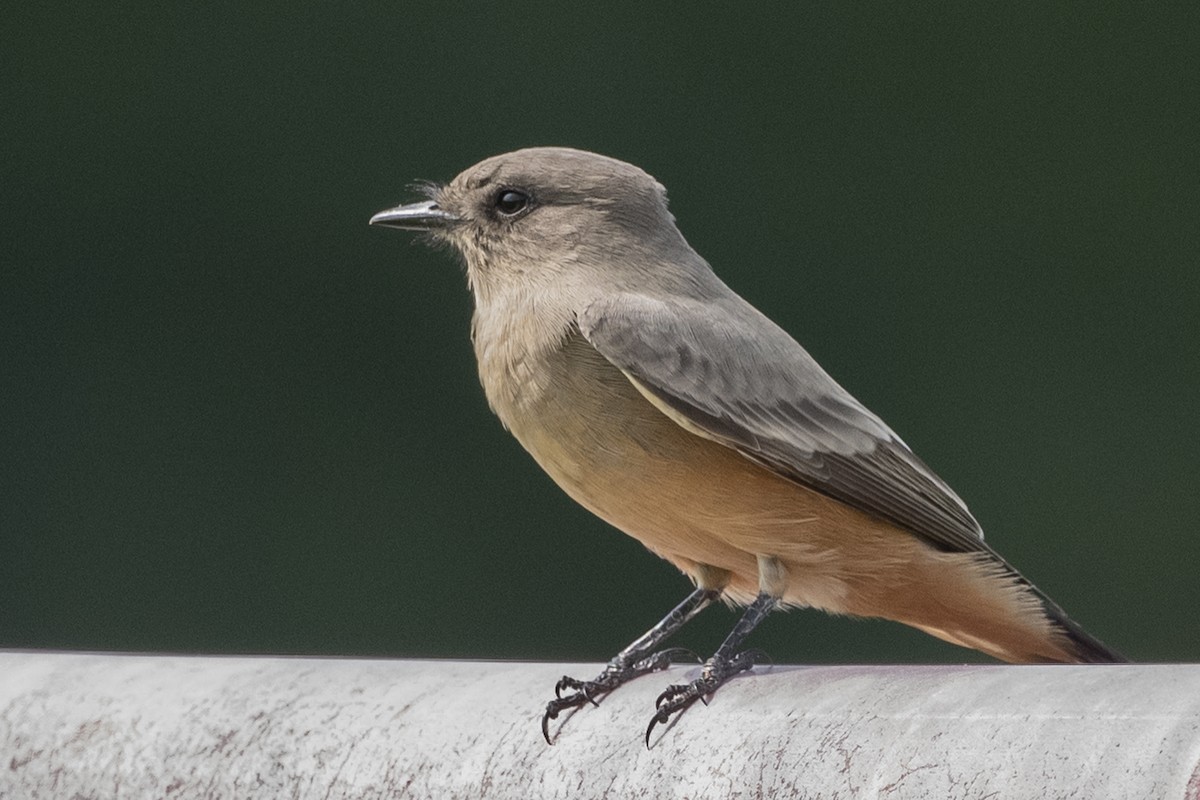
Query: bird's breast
683	495
576	413
594	433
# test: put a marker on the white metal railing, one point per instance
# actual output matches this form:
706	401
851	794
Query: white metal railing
133	726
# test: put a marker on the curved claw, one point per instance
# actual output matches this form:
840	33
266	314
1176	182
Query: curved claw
661	716
557	706
582	692
676	703
665	658
585	689
550	714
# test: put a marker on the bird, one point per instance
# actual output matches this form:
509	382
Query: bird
667	405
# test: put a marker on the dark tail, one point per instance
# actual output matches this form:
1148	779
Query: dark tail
1086	649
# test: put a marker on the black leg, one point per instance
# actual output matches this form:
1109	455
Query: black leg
726	663
635	660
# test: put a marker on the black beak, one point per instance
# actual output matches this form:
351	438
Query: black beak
423	216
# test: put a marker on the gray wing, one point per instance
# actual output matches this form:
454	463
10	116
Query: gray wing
725	371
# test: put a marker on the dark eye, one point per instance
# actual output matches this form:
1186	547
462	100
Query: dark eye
511	201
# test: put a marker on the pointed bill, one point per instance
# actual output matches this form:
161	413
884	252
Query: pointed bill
423	216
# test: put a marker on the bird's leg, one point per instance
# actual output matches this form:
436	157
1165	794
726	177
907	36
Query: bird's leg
726	663
728	660
635	660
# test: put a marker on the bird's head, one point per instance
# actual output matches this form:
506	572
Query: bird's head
548	212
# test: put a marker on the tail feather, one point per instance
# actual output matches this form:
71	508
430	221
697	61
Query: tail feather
1086	648
978	600
1082	646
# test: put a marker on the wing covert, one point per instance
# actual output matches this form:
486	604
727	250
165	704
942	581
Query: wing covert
739	379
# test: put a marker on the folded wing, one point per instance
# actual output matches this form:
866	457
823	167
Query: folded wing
725	371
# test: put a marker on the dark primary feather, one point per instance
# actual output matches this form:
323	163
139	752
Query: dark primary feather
744	382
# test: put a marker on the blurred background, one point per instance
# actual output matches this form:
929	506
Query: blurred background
235	419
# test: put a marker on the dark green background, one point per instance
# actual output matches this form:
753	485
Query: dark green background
234	418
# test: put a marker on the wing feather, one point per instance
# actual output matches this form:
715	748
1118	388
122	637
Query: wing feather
739	379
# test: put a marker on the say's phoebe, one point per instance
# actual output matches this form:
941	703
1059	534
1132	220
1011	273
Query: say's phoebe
670	407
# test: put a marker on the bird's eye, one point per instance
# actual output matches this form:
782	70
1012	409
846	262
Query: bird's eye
510	202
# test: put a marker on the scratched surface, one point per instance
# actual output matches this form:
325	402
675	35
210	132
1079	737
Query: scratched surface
112	726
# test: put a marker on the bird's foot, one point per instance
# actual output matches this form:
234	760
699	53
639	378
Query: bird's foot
617	673
680	697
